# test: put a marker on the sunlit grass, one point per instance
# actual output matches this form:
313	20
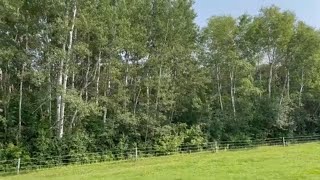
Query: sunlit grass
293	162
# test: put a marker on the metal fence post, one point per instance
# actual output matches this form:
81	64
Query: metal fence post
18	166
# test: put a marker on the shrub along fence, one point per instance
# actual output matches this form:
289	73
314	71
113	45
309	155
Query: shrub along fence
12	166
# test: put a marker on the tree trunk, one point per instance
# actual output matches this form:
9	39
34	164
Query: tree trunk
98	78
73	120
288	83
148	95
106	93
136	102
65	74
50	98
270	80
6	99
1	77
283	89
301	87
59	96
74	116
105	110
219	86
86	81
72	79
74	57
258	68
232	93
20	104
63	103
158	89
148	106
126	83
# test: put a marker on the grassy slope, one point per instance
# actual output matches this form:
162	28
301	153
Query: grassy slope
293	162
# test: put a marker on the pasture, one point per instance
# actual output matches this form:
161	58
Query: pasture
292	162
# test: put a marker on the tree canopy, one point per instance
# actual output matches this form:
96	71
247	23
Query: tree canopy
85	76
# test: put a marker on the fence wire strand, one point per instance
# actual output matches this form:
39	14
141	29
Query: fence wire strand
46	161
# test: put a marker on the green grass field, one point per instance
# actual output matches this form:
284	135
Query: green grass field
293	162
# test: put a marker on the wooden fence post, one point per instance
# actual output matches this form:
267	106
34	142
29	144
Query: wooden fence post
283	142
136	156
18	166
216	146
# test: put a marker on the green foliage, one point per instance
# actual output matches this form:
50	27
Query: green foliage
170	138
80	76
13	152
194	136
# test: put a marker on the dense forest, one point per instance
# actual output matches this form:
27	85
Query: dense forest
81	76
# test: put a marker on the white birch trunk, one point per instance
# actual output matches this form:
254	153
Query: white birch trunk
219	86
232	90
59	97
270	80
98	78
301	87
158	88
20	104
65	74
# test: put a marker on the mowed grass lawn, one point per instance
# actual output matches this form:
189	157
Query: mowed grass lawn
292	162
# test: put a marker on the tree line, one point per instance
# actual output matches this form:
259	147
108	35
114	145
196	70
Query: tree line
82	76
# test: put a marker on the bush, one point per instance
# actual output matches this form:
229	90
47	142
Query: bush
107	156
171	137
169	143
10	152
195	136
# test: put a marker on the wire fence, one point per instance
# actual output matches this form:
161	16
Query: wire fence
15	166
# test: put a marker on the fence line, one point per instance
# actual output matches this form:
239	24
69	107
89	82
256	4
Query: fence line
46	161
